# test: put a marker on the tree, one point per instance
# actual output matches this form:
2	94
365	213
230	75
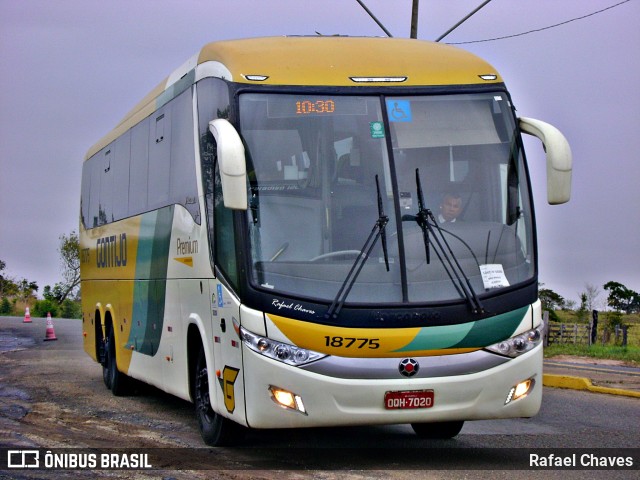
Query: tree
592	293
5	283
621	298
588	299
582	311
26	289
70	258
550	300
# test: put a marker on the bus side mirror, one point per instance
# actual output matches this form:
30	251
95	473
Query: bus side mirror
232	164
559	158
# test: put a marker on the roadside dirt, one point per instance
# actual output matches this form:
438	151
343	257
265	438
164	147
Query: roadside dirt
588	360
52	396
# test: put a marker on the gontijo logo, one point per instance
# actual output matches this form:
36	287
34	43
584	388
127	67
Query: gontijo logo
111	251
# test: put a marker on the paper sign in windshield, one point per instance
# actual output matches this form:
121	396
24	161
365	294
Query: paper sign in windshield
493	276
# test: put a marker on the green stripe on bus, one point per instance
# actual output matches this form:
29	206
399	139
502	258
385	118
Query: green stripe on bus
477	334
149	289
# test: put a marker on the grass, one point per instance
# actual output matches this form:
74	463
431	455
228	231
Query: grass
629	354
571	316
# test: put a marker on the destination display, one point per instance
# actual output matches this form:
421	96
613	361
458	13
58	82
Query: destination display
284	106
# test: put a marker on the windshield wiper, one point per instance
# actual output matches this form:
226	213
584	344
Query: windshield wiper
422	218
427	222
378	231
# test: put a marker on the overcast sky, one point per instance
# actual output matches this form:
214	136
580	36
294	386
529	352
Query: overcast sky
71	69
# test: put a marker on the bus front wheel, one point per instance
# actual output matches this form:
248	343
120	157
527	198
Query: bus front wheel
215	429
438	430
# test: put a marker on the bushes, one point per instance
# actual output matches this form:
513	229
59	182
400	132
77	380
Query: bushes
6	308
68	309
42	307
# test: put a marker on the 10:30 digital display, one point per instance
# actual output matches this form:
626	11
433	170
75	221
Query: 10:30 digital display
302	106
305	107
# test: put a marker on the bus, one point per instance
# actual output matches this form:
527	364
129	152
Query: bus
320	231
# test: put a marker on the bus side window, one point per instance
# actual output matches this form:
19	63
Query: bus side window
160	157
106	186
138	184
224	244
213	102
94	196
183	189
86	190
120	171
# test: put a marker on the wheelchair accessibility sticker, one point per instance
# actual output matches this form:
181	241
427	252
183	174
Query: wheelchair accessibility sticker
399	110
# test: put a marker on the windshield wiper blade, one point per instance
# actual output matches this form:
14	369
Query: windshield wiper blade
382	218
378	231
422	218
427	222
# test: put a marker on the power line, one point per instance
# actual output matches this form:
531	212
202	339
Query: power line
461	21
366	9
540	29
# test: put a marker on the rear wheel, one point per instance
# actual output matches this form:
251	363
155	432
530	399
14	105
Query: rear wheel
118	382
106	378
438	430
101	352
215	429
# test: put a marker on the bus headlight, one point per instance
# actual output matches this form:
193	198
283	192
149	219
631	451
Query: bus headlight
519	344
283	352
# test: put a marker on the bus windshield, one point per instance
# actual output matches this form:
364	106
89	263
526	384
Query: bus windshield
445	170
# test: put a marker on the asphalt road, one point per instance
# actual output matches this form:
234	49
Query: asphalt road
52	397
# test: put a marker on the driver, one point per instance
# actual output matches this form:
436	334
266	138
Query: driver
450	208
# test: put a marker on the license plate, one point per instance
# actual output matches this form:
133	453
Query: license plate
408	399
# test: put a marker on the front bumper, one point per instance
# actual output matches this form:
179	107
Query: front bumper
336	401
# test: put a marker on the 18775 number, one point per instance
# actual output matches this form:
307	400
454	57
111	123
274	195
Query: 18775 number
352	342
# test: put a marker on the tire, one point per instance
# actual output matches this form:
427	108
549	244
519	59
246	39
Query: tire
101	352
438	430
215	429
118	382
106	378
104	361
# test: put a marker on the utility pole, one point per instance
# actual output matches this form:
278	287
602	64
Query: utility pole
414	19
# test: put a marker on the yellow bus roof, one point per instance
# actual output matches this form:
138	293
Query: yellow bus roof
334	60
319	61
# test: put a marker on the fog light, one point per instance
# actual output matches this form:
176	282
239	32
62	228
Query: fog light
519	391
287	399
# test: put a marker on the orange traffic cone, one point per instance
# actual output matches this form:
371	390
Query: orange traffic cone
50	335
27	316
